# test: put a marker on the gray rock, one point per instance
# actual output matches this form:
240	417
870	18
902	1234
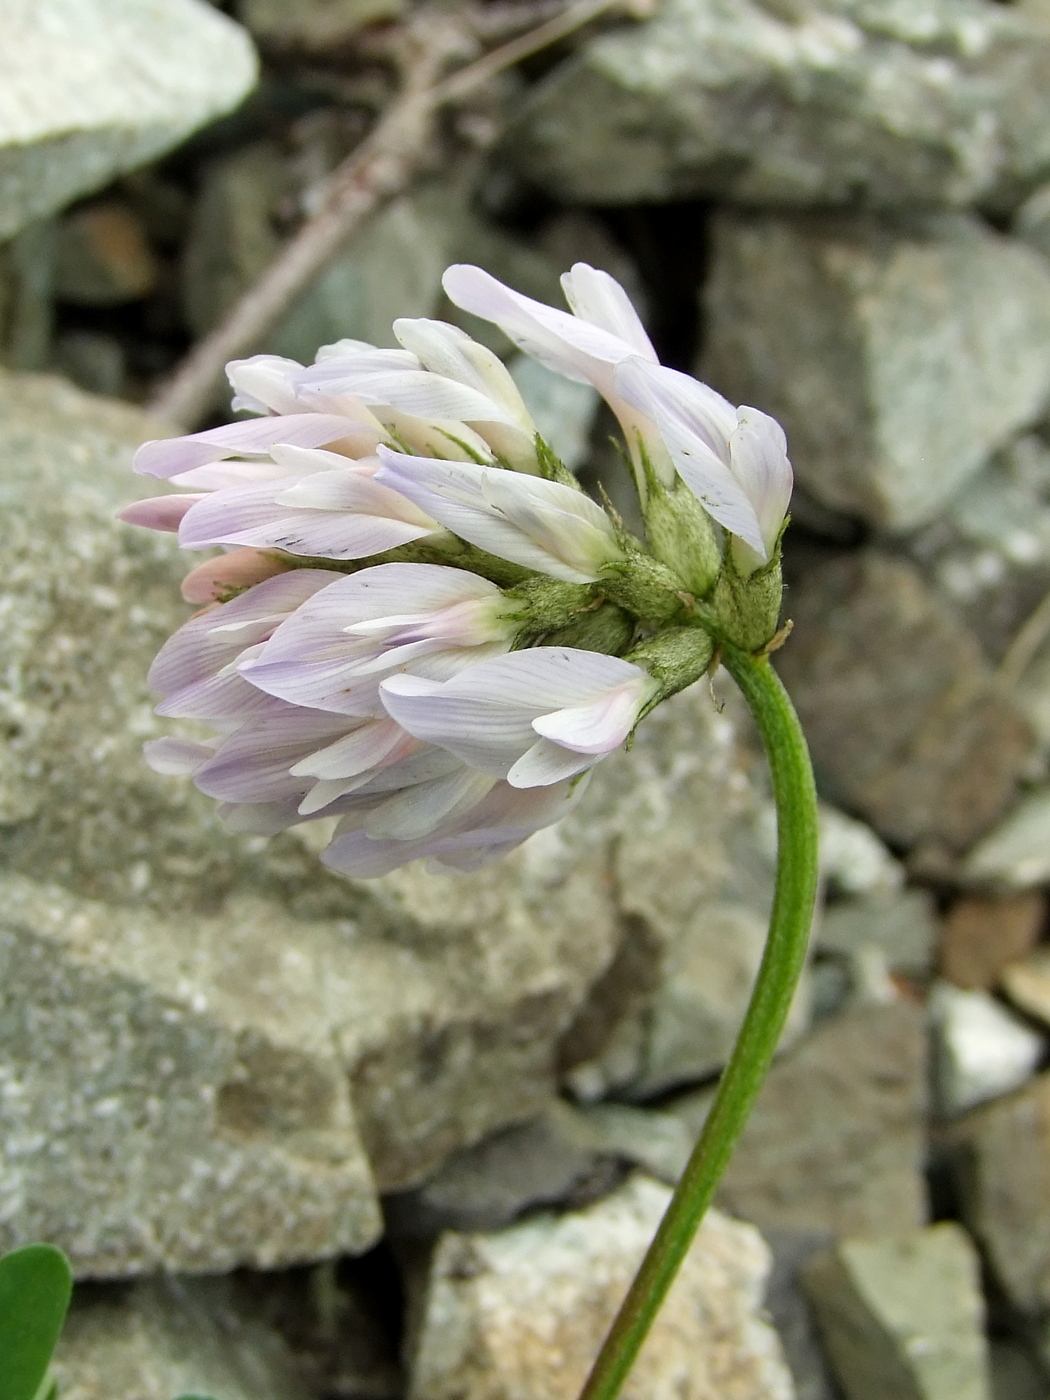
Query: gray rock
93	360
270	1045
903	927
102	257
801	103
1002	1163
92	88
791	1313
1016	854
983	934
555	1159
853	860
521	1313
903	1317
27	297
982	1050
897	354
903	717
836	1140
694	887
1015	1375
161	1338
1027	984
314	26
988	554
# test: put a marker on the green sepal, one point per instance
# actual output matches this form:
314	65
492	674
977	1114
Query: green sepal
552	468
675	658
543	604
680	534
748	606
36	1283
644	586
606	628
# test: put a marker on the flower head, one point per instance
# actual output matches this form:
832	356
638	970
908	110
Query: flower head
418	623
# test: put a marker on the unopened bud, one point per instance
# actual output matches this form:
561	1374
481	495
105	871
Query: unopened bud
680	534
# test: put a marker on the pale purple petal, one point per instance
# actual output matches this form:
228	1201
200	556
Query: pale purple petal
448	351
212	639
546	763
167	457
418	811
263	384
253	763
485	714
688	434
562	342
336	515
540	524
214	579
217	476
418	392
597	297
159	512
759	461
602	725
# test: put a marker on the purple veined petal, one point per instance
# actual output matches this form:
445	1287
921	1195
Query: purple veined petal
334	360
759	461
209	641
175	757
420	393
597	297
555	530
367	745
214	579
355	492
159	512
423	765
263	384
314	461
564	343
448	351
419	811
320	660
253	763
260	516
444	438
167	457
217	476
220	698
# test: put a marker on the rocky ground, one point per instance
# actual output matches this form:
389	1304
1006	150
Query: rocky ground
310	1139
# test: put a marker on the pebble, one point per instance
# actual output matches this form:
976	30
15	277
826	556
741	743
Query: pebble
983	1050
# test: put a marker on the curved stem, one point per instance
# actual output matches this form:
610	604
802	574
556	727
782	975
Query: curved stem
782	962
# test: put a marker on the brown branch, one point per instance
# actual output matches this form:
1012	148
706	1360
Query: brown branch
380	167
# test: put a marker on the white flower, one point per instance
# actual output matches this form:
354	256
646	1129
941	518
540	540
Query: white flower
734	460
541	524
603	330
532	717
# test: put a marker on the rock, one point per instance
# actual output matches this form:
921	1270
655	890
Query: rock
555	1159
897	354
92	88
522	1312
1015	1376
694	887
313	26
853	861
1002	1165
1016	854
1027	984
102	257
902	927
791	1314
269	1044
836	1140
93	360
27	297
166	1337
982	934
1032	221
813	102
988	554
904	720
982	1049
903	1316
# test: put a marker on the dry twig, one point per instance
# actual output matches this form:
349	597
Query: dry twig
379	168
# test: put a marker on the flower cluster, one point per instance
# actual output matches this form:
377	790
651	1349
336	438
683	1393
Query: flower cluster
419	624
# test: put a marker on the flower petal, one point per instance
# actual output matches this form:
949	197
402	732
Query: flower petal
212	580
597	297
759	461
159	512
166	457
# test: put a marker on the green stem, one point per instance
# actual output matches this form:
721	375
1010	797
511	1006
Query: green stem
774	988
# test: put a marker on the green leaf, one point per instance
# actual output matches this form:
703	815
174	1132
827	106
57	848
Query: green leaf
35	1287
